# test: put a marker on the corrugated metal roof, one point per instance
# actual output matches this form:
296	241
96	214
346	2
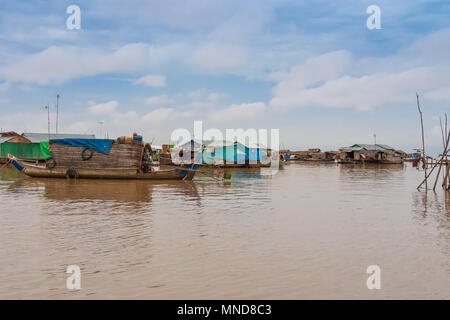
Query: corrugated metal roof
372	147
218	144
369	147
38	137
256	146
189	143
4	139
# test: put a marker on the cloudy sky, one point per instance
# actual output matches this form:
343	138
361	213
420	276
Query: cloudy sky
309	68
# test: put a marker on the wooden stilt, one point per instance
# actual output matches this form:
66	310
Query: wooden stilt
444	154
423	143
446	172
440	165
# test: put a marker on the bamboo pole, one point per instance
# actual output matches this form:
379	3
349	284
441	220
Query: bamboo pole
423	142
446	173
440	166
442	159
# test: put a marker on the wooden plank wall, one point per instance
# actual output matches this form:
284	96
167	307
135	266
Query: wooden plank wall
120	156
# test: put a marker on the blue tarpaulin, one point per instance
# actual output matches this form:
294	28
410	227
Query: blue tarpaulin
100	145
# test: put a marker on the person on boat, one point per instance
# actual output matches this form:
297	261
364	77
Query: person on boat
147	158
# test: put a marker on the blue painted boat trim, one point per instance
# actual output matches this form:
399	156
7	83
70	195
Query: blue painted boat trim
17	165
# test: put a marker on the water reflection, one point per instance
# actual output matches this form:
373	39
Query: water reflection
297	234
435	205
121	191
9	174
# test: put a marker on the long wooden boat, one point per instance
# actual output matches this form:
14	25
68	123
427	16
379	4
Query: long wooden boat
186	172
124	161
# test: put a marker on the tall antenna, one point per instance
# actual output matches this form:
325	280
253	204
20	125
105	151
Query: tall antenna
47	107
375	139
101	123
57	111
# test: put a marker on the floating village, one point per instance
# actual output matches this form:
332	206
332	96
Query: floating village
74	156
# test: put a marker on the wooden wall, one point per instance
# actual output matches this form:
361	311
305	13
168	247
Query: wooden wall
19	139
120	156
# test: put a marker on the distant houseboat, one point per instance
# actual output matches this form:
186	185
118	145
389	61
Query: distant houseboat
412	157
312	154
370	153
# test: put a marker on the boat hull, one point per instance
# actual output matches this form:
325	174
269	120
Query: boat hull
186	172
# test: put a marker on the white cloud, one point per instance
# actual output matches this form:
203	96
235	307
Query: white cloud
334	80
158	100
197	94
436	131
201	104
216	96
151	80
217	56
201	98
103	108
158	116
58	64
441	94
362	93
238	112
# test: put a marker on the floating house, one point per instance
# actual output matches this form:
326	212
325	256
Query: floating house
312	154
186	152
31	146
231	154
414	156
375	153
11	142
235	154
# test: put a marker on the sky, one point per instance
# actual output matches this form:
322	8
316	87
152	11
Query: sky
312	69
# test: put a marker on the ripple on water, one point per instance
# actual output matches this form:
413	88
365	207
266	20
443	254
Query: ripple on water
308	232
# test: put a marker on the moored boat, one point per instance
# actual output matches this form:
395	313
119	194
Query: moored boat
186	172
100	159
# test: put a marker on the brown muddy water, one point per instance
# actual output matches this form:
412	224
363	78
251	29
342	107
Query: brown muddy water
308	232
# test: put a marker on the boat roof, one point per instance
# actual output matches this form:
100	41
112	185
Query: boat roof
218	143
5	139
38	137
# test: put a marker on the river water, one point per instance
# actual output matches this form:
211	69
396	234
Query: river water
308	232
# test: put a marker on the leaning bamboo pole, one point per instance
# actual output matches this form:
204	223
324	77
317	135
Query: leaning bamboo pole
440	166
424	158
446	172
444	154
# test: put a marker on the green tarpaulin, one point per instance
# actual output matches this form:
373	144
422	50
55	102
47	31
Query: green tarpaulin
44	149
22	150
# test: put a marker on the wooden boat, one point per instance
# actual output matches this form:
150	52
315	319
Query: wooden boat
414	156
123	161
171	173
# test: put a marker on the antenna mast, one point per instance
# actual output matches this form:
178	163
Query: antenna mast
48	119
57	111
